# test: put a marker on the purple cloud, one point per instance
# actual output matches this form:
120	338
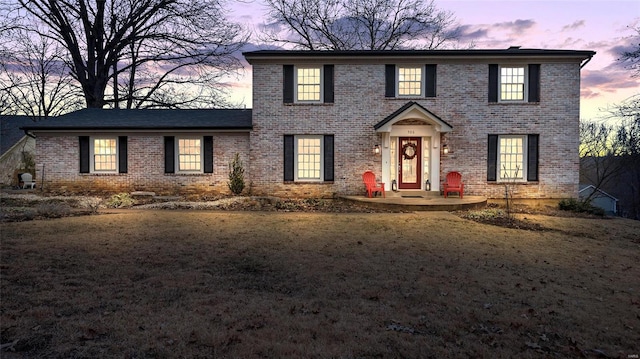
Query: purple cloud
576	25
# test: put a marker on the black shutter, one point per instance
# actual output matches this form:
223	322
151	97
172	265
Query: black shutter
328	83
532	157
169	154
328	157
84	154
208	154
492	158
287	84
390	80
288	157
493	83
430	80
534	83
122	154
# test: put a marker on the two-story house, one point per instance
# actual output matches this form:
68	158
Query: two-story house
322	118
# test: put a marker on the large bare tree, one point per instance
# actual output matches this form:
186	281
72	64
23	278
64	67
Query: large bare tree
155	53
359	24
34	78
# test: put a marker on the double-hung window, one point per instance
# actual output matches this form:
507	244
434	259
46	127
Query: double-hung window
189	154
514	83
308	158
513	157
308	84
103	154
308	163
410	80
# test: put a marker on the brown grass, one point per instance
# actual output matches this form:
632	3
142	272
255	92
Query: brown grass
148	284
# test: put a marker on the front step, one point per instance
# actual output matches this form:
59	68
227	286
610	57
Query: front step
413	194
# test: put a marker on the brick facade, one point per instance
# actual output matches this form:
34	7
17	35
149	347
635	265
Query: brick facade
358	115
60	156
461	101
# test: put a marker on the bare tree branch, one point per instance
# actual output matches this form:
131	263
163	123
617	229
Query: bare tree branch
359	24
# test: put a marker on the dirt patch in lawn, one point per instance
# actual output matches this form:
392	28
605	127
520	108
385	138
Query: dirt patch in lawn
186	283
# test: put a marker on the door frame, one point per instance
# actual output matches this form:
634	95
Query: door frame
418	159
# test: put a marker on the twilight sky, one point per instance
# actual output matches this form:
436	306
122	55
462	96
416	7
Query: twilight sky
599	25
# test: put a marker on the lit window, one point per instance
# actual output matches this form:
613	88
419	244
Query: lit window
308	150
105	156
511	157
409	81
189	154
512	83
308	87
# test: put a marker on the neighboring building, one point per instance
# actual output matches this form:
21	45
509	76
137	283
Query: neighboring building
600	199
17	150
322	118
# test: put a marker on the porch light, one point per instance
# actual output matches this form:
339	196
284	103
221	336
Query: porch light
376	149
445	149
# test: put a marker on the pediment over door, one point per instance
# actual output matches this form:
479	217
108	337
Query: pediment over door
412	113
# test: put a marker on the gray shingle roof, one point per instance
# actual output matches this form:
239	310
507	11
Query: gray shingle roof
191	119
10	132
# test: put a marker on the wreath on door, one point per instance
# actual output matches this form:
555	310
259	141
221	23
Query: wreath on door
409	151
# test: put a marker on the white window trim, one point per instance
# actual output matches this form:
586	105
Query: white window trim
295	158
295	83
523	170
525	93
177	153
92	167
422	80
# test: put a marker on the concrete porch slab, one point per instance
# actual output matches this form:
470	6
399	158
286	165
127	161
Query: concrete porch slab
420	201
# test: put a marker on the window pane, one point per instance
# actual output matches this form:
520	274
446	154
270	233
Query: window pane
308	84
511	157
309	155
189	154
512	83
410	81
104	154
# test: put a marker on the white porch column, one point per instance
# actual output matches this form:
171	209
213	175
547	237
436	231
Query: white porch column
386	161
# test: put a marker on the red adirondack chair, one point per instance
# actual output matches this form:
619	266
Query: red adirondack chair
369	180
453	183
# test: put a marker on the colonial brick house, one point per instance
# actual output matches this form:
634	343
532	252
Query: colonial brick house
322	118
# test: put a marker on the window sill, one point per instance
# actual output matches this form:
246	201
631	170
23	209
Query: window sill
98	174
308	103
520	183
514	103
308	182
188	174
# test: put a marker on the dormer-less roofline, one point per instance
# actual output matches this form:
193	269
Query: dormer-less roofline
513	52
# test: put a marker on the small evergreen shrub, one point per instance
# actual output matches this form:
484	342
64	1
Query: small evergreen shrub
236	175
574	205
120	200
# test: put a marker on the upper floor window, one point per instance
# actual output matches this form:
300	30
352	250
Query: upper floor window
307	84
512	83
104	154
410	80
189	154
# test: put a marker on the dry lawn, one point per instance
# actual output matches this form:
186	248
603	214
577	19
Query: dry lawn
158	284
